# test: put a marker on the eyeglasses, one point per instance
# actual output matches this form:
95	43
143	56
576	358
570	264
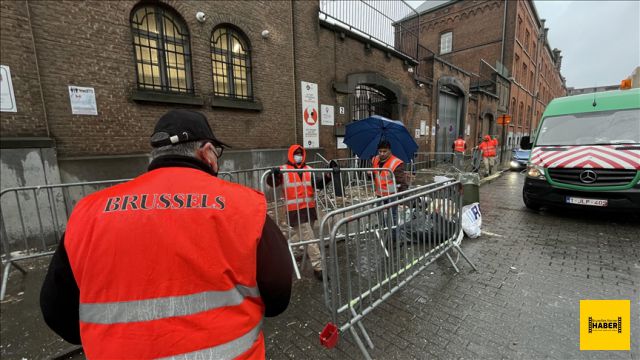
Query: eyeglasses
217	149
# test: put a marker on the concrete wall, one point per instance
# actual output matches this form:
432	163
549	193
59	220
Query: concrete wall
28	214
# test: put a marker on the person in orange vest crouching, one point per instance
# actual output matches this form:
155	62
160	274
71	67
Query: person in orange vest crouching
383	180
174	263
299	197
459	146
488	148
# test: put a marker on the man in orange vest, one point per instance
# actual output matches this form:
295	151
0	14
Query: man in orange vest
459	147
383	181
488	148
299	197
174	263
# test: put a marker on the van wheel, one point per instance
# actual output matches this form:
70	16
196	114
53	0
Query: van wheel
531	204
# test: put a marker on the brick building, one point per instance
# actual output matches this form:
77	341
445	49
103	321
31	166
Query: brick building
242	64
503	46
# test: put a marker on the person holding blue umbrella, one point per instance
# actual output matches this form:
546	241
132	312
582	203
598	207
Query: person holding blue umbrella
383	180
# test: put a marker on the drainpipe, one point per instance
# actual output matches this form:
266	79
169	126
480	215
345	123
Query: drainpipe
35	55
504	30
534	97
295	78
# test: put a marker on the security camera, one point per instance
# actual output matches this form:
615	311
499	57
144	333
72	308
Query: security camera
410	70
421	85
265	34
201	17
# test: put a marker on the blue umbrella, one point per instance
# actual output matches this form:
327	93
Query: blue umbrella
363	137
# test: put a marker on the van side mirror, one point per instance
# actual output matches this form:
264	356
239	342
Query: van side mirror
525	143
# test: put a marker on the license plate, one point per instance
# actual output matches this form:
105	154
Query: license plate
588	202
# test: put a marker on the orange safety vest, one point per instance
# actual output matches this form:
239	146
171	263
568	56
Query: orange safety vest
298	189
383	180
168	268
488	148
459	145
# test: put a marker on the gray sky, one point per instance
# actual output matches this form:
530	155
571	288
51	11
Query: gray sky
600	40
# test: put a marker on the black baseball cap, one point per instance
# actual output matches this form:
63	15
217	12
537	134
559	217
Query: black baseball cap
183	126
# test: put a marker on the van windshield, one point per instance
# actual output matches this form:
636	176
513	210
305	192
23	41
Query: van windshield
605	127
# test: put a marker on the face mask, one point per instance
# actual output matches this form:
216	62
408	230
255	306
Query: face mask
297	158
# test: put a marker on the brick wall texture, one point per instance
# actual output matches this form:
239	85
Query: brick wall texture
89	43
477	35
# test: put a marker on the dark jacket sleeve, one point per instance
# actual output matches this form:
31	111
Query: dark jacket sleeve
401	178
275	270
60	297
277	178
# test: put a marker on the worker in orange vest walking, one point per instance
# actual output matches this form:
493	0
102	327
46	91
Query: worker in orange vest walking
384	180
488	148
299	196
174	263
459	146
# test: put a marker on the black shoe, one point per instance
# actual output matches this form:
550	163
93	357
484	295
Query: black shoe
318	274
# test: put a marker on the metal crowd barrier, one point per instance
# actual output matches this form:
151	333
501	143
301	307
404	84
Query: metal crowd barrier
332	190
370	265
37	220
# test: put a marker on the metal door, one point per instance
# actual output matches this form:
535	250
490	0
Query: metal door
448	123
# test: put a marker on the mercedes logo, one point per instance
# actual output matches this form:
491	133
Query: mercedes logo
588	176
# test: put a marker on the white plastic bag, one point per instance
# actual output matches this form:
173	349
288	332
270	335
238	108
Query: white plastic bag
442	179
471	220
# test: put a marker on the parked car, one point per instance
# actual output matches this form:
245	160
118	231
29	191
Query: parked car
519	159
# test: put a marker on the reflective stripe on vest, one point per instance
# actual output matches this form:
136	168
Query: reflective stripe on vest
384	181
229	350
459	145
160	308
298	189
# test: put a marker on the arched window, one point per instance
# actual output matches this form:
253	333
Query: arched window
231	63
161	47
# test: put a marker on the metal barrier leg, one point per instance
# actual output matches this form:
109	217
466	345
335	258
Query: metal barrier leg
465	257
363	330
5	277
295	263
359	343
452	262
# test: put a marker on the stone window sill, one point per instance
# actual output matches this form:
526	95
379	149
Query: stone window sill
252	105
160	97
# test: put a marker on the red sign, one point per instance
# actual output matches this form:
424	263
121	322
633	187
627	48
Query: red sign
504	119
310	116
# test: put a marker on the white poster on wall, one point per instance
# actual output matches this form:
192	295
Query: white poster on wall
423	127
433	131
468	131
83	100
7	97
310	125
326	114
417	133
340	143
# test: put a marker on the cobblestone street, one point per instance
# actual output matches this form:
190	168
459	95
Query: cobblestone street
524	302
534	270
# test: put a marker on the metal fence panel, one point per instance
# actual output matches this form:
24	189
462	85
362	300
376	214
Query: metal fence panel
332	190
33	219
399	235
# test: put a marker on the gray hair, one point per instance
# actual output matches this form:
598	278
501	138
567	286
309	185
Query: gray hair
184	149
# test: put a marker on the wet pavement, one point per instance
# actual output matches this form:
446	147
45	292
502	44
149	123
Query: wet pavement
535	267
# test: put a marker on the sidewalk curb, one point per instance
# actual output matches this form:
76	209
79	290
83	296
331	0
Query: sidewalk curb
489	179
